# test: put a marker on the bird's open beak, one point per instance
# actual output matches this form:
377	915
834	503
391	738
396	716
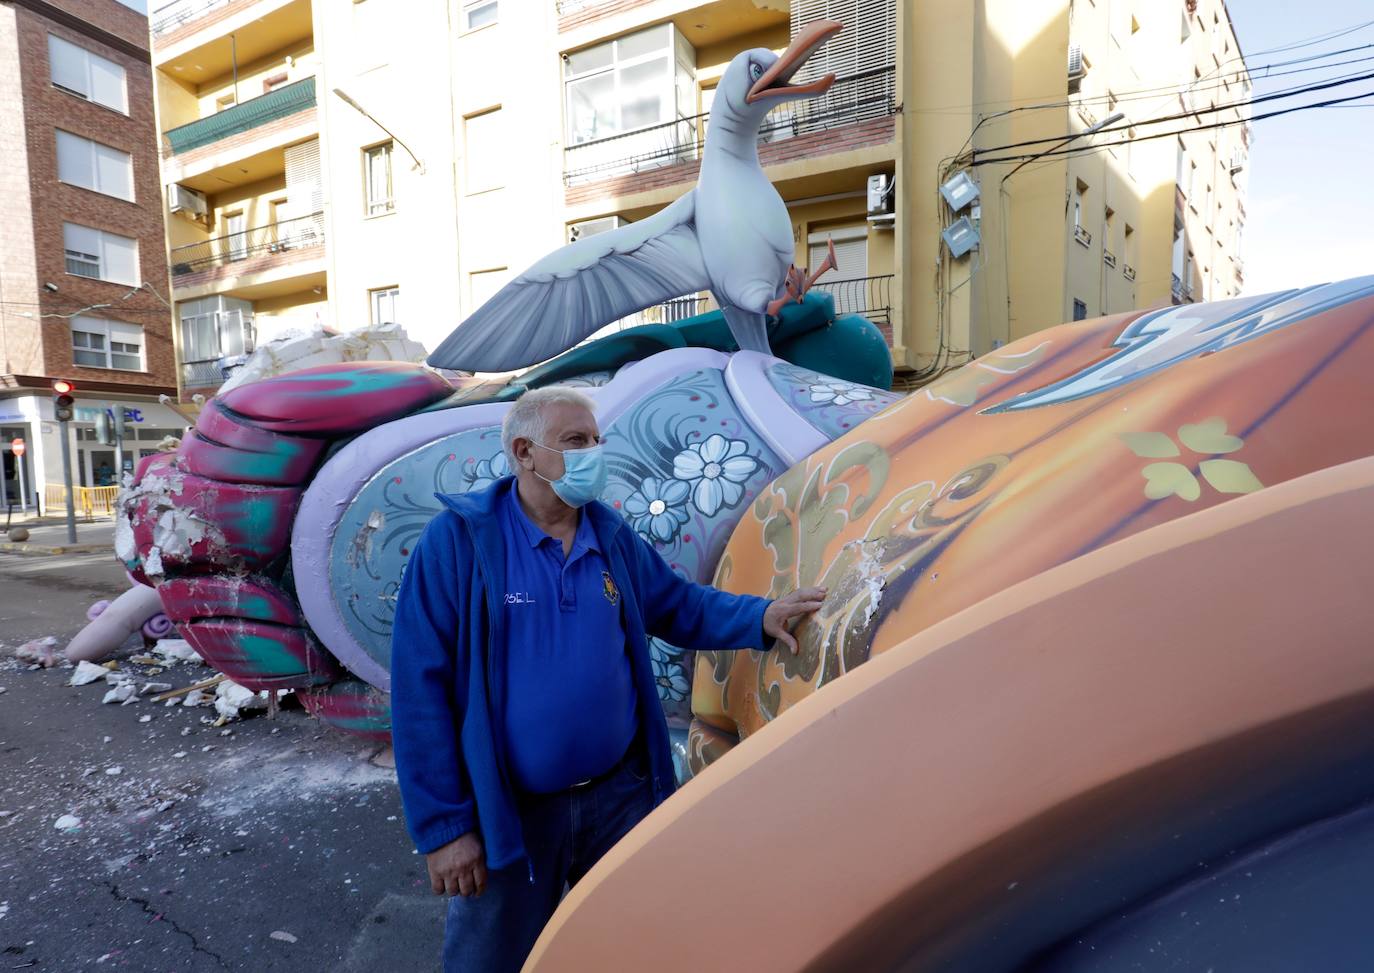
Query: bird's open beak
774	80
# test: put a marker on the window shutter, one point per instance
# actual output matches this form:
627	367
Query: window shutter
82	239
850	255
68	63
114	172
107	84
304	191
119	259
75	164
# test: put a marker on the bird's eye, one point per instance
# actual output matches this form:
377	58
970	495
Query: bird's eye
755	70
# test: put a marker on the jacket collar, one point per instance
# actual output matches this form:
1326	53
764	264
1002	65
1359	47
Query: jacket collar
479	509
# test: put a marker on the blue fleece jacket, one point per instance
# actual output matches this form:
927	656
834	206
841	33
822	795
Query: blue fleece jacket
448	665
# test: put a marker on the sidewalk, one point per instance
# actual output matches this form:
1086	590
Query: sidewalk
49	536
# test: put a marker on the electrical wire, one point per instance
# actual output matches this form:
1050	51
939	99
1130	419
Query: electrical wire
1126	126
1079	150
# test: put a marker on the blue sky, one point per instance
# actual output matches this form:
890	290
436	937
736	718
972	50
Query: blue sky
1310	202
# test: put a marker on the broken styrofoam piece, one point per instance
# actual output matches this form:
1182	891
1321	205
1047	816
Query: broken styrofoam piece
87	672
115	677
42	652
231	699
149	688
122	693
292	352
195	697
67	822
176	650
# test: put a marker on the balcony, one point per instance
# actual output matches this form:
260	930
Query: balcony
277	251
171	16
869	297
254	113
209	373
669	312
191	38
671	149
1081	234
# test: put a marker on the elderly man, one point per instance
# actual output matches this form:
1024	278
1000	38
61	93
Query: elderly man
528	732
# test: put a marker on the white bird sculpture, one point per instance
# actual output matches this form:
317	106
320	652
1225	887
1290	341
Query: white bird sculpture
730	235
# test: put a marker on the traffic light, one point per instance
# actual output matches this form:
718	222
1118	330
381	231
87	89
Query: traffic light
63	400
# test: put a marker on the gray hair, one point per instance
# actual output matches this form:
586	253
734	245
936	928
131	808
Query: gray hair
528	417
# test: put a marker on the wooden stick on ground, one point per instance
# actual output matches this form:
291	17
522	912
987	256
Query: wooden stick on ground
213	681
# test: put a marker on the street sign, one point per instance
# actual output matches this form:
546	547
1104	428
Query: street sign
17	447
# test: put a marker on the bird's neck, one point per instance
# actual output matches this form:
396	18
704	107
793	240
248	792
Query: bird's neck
730	143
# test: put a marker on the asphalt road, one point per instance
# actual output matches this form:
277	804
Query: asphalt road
202	844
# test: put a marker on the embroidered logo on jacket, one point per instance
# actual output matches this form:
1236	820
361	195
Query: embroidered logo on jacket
609	589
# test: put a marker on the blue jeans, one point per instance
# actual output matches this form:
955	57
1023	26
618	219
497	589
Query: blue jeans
565	834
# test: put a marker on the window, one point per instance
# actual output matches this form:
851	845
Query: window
236	235
212	328
1079	189
636	81
483	150
479	13
1080	310
98	343
92	165
100	255
225	102
1128	245
1192	179
87	75
377	175
274	82
386	305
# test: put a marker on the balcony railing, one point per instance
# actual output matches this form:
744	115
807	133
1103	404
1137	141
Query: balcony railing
669	312
870	297
278	103
170	16
295	234
859	97
209	372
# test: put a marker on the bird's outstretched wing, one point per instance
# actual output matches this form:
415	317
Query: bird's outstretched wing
582	287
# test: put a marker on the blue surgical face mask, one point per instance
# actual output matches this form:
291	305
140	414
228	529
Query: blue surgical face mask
584	475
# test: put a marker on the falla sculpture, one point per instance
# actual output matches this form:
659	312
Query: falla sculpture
1096	643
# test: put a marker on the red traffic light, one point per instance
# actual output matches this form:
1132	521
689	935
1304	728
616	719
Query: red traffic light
63	387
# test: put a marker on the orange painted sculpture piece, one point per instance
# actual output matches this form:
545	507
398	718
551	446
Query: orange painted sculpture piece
982	793
1042	452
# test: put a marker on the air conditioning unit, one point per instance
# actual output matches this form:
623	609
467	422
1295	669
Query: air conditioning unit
1237	161
1077	67
881	211
181	199
1109	258
589	228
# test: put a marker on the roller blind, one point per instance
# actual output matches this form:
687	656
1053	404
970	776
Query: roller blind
87	74
119	259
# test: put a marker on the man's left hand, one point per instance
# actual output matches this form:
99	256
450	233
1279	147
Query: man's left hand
803	601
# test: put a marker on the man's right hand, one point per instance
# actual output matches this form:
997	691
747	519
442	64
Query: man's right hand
459	867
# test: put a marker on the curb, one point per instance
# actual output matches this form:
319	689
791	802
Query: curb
43	550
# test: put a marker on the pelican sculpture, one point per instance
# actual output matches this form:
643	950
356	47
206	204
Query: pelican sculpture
730	235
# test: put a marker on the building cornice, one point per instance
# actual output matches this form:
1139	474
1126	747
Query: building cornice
69	20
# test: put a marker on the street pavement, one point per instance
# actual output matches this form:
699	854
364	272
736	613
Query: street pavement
266	844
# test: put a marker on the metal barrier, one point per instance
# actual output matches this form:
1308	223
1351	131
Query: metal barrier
297	233
91	502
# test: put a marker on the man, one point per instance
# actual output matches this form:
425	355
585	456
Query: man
528	732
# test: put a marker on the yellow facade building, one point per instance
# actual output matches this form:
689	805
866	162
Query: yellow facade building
345	162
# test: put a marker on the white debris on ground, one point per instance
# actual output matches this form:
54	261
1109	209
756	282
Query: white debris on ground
284	937
41	652
176	650
231	699
125	692
296	350
67	822
87	672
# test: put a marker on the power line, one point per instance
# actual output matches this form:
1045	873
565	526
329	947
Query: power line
1188	114
1083	150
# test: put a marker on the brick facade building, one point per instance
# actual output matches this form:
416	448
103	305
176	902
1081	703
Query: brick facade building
83	267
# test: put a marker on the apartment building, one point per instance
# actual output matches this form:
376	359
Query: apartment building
341	162
83	270
1106	181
